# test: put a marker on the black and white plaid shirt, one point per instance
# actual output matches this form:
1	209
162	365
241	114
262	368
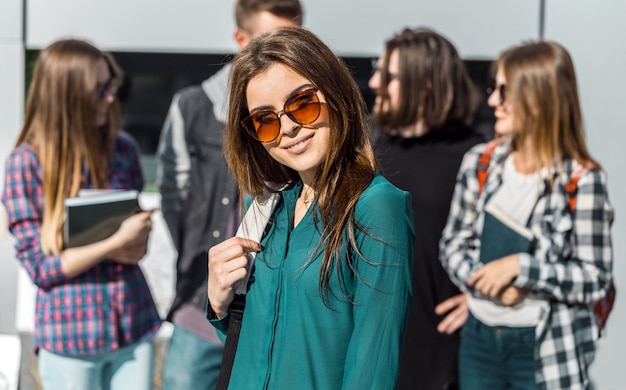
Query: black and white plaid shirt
571	266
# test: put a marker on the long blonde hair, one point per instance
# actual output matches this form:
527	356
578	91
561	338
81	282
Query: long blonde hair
60	126
543	92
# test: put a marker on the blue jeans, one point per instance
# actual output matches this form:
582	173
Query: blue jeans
191	362
129	367
496	357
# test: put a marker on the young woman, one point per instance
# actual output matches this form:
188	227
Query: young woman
531	324
95	317
331	285
425	103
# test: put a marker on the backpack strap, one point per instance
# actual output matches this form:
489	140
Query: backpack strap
572	186
252	227
482	169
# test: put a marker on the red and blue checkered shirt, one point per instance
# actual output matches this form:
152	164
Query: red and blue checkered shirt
105	308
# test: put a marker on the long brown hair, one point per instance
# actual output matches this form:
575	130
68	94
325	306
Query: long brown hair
349	166
543	93
60	126
435	86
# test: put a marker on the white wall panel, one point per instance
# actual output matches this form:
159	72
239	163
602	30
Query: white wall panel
594	32
134	25
351	27
11	108
358	27
10	21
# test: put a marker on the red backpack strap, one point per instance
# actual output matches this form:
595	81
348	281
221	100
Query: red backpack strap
483	163
572	185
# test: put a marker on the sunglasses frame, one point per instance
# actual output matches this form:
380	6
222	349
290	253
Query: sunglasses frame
501	88
248	122
107	89
388	75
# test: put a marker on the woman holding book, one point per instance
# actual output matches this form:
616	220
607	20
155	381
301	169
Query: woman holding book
531	322
330	288
95	317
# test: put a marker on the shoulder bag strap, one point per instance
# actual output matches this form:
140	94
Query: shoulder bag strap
252	227
482	169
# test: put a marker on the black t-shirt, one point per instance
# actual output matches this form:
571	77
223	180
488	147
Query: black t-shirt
427	166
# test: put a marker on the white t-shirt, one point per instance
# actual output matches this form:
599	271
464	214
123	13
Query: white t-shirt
516	197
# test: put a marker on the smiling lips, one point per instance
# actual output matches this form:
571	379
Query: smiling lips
299	146
500	114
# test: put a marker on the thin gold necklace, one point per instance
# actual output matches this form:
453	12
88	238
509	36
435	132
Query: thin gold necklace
306	200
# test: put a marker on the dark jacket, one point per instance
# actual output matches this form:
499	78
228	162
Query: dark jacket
199	195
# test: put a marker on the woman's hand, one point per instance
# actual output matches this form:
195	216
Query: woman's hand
512	295
493	277
227	265
127	245
457	310
132	238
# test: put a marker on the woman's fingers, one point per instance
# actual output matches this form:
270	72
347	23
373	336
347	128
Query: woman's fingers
227	265
494	276
450	303
458	311
234	247
224	271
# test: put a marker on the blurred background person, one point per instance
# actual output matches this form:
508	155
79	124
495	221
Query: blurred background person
330	288
531	324
95	318
200	200
425	102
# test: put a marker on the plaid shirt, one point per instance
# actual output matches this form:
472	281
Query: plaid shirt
570	267
105	308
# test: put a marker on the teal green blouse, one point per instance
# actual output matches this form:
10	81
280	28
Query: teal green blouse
290	339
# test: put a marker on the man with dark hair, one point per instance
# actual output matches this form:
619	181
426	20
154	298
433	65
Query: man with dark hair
200	199
425	103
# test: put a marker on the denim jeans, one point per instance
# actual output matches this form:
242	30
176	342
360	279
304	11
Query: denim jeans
191	362
129	367
496	357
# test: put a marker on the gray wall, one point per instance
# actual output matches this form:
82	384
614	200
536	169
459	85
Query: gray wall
11	108
591	30
594	32
351	27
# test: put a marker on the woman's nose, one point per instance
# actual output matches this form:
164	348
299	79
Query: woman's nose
287	125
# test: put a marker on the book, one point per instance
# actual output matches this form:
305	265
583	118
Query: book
95	215
503	236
